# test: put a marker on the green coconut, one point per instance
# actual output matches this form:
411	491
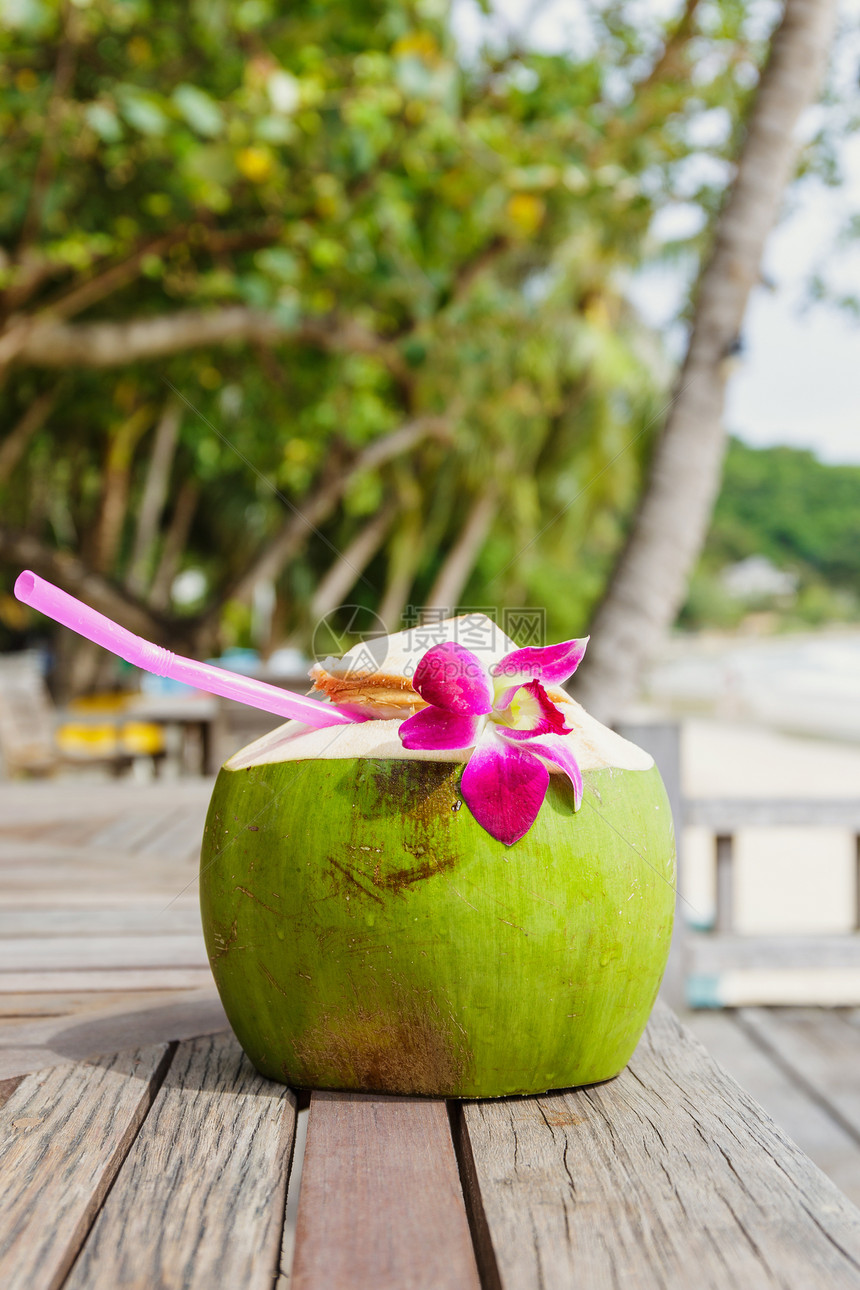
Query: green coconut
366	933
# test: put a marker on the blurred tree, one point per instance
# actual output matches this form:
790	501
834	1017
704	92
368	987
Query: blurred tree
649	584
273	272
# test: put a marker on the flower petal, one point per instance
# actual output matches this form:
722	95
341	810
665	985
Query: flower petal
531	712
503	787
551	664
435	728
556	749
452	677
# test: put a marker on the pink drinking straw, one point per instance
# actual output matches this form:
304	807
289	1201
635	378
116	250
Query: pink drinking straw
72	613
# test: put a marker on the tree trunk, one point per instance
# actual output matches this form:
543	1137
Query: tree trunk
154	496
404	557
18	439
461	559
175	542
649	583
117	481
24	551
314	510
350	565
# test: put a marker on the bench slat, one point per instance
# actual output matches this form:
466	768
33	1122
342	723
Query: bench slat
63	1136
381	1207
811	1125
669	1175
79	953
710	954
727	815
820	1048
200	1199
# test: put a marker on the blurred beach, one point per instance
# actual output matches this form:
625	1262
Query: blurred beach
804	683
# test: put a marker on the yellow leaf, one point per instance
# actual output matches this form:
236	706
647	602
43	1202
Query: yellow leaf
139	49
255	163
526	211
420	44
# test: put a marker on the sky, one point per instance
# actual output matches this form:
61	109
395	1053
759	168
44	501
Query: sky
798	379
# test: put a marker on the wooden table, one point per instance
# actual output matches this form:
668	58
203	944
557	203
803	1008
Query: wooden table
139	1148
180	715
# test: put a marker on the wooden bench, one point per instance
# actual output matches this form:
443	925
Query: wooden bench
718	967
168	1166
710	955
166	1161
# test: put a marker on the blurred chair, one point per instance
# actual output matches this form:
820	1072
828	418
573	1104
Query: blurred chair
33	741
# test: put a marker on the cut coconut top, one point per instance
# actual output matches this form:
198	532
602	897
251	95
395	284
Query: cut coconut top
376	676
593	745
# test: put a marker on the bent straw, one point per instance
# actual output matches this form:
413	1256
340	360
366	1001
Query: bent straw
63	608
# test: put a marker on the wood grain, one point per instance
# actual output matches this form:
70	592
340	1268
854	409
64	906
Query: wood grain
381	1206
63	1136
36	1043
103	978
784	1098
56	953
99	920
819	1047
668	1176
200	1199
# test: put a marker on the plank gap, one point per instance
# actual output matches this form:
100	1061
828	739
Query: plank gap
294	1190
213	1151
485	1255
807	1086
78	1240
8	1086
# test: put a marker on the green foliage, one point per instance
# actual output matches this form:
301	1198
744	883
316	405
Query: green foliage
786	504
425	235
803	515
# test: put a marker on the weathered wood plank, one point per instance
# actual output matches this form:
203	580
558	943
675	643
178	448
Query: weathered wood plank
77	953
105	979
7	1088
181	836
804	1120
199	1201
16	854
820	1048
63	1136
15	1008
668	1176
70	832
100	920
23	802
19	857
132	832
381	1206
36	1043
69	880
156	897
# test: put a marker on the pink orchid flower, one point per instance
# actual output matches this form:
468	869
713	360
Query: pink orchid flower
508	718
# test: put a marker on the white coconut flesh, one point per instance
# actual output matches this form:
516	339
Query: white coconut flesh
376	678
592	744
